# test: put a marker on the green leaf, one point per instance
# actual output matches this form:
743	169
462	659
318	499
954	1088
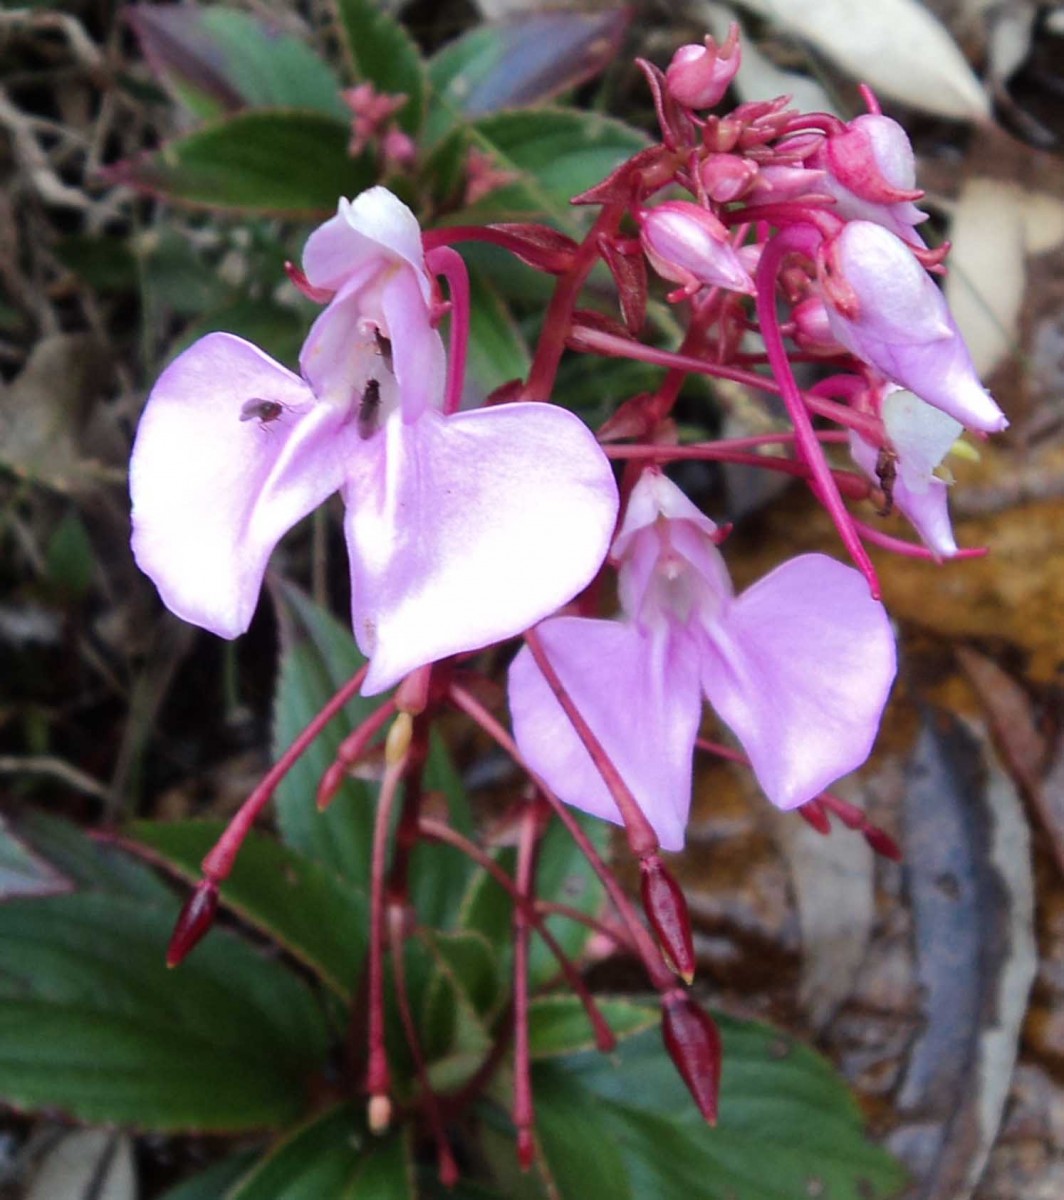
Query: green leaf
788	1125
384	54
93	1024
453	1040
277	161
563	874
555	153
486	908
519	62
319	919
439	874
579	1157
557	1024
497	351
471	960
104	262
312	671
210	1184
70	559
218	59
332	1157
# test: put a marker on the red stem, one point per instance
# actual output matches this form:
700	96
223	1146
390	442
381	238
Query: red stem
449	263
440	832
446	1166
559	313
523	1109
803	239
660	976
378	1076
600	342
219	861
641	836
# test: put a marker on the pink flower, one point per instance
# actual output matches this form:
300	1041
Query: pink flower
686	243
698	76
798	666
462	530
884	308
920	437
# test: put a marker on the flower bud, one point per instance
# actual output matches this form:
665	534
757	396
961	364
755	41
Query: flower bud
885	309
686	243
812	330
693	1042
871	173
698	76
193	922
726	177
779	182
666	910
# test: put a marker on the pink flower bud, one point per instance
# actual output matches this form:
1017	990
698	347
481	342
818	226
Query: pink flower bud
726	177
812	329
698	76
666	910
687	243
871	173
693	1042
874	159
885	309
779	181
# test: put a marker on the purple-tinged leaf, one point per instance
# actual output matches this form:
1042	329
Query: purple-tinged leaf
24	873
520	62
217	60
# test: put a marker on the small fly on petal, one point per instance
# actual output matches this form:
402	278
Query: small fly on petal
384	348
264	411
369	409
886	473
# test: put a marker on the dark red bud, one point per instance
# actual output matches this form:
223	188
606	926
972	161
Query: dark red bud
814	814
332	780
882	843
666	910
526	1148
193	922
446	1168
693	1042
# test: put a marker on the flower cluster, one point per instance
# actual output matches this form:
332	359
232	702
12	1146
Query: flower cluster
467	528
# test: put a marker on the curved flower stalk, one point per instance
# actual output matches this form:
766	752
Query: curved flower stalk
462	530
799	667
911	472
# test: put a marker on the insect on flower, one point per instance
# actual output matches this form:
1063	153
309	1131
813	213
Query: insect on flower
384	348
265	411
369	409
